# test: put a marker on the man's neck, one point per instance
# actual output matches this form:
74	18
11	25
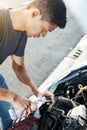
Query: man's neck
17	18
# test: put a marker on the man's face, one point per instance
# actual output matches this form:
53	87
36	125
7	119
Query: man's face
36	27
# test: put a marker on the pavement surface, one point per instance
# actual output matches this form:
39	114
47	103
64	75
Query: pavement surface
42	55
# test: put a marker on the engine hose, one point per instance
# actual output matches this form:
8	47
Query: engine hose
55	121
81	91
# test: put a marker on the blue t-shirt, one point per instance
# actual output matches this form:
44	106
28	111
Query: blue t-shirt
11	41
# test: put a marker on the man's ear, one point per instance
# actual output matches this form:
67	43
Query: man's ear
35	12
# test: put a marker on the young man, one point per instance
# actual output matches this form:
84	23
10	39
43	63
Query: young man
32	20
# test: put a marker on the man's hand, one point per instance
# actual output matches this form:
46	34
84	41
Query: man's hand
24	106
48	96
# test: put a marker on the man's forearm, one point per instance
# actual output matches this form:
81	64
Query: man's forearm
23	76
6	95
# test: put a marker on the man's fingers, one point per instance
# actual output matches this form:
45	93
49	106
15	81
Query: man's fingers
24	113
49	96
32	107
27	110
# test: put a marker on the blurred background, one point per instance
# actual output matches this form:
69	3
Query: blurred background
78	8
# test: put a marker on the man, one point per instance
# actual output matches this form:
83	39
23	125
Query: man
32	20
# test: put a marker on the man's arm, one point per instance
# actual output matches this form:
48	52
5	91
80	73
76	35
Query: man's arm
20	70
6	95
21	73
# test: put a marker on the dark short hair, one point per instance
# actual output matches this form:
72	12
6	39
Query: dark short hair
53	11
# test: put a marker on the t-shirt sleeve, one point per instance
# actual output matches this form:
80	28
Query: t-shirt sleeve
1	25
21	46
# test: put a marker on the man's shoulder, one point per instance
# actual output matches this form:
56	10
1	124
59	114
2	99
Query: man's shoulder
2	10
5	22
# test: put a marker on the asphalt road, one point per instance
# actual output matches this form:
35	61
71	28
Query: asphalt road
44	54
